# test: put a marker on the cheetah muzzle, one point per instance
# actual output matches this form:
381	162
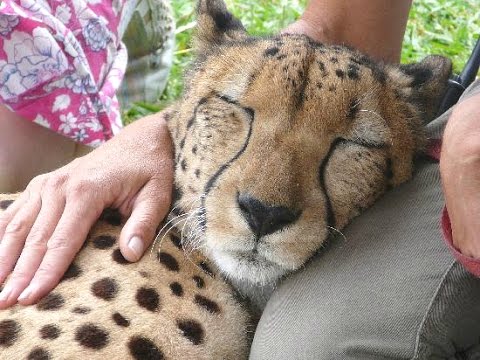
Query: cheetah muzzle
279	143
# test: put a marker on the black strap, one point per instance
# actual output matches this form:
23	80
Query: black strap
458	83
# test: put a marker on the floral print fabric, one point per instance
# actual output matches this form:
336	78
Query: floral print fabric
61	62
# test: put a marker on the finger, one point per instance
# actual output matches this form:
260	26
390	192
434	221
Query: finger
35	246
16	230
9	213
13	239
6	217
150	207
65	242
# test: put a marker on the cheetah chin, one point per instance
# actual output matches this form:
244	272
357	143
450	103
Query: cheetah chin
279	142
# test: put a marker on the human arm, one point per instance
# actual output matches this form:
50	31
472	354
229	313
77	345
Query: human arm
47	225
375	27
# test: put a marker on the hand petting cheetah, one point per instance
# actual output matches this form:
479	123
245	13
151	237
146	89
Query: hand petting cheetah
278	141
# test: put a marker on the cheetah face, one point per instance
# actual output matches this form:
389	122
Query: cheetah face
281	141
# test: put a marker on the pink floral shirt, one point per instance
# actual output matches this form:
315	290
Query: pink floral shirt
61	62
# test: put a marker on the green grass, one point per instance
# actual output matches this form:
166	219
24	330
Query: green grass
445	27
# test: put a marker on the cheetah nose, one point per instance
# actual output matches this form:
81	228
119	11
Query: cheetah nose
264	219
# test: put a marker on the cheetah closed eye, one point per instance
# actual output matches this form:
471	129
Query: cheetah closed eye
278	142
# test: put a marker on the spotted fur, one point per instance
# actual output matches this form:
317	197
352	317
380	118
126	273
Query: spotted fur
278	142
106	308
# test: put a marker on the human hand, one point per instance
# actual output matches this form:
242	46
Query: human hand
460	171
42	231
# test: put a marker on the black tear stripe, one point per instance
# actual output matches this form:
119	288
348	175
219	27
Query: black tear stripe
249	111
211	182
321	179
321	173
194	116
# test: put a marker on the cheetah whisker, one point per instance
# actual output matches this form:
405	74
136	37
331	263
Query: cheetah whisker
179	218
177	206
193	213
194	234
338	232
373	112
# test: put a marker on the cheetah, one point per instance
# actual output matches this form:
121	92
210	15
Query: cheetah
279	142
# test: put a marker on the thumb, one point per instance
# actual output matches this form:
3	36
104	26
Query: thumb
149	208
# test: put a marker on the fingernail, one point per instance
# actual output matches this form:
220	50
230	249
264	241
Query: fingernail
25	294
136	245
5	293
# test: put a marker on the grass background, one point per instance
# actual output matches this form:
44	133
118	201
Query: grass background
445	27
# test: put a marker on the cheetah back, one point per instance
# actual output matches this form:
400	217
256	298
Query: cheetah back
166	306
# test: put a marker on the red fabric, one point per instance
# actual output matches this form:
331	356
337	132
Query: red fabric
434	148
470	264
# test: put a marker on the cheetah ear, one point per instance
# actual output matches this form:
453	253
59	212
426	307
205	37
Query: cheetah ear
424	84
216	25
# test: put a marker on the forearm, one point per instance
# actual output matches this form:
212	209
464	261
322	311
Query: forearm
146	129
375	27
28	149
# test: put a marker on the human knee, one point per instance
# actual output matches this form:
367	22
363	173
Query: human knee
295	332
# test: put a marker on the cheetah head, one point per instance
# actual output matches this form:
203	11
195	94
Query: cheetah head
281	140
